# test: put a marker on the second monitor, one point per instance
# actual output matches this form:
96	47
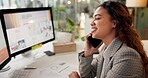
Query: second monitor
4	51
28	27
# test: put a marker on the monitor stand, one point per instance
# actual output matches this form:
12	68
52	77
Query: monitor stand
26	54
5	69
49	53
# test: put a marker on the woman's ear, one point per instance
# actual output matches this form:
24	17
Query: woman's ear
114	24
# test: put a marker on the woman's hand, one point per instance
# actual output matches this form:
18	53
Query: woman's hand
74	74
90	50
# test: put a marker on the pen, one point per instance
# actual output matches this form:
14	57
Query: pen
29	68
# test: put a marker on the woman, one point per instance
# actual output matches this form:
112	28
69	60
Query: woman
122	54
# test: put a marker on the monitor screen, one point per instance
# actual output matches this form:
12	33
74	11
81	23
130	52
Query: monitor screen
28	27
4	52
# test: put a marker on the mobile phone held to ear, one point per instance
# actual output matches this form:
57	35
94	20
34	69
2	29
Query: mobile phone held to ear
93	41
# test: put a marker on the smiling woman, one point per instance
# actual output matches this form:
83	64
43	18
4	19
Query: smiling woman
121	55
102	24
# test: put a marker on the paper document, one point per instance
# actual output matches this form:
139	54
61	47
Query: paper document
58	69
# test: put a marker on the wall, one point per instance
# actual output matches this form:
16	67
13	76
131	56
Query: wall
142	22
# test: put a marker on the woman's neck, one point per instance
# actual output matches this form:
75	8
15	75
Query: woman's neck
107	40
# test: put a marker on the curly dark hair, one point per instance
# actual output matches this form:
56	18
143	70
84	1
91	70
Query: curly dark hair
124	30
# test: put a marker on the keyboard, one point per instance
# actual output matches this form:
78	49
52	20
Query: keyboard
20	73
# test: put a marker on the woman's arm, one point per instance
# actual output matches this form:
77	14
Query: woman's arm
88	66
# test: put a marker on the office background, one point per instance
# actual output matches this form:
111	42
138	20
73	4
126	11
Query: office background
80	12
72	16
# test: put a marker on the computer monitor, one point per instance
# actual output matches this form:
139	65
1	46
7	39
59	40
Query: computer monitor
4	51
26	27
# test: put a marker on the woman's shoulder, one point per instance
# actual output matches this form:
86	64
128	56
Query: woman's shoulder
126	51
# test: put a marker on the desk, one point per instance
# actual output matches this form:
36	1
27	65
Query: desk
39	60
44	61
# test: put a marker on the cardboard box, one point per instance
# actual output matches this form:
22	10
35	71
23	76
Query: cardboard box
65	47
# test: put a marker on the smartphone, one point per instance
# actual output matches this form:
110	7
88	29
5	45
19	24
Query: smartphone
93	41
49	53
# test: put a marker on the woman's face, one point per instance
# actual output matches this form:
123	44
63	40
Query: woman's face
102	25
